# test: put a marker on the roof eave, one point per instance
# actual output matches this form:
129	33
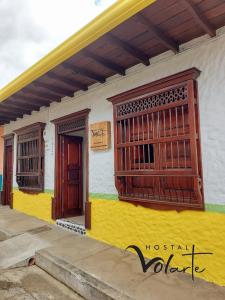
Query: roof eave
106	21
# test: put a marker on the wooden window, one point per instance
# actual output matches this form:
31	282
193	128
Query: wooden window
157	147
30	158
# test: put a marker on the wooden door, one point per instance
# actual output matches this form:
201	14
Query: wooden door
72	196
7	175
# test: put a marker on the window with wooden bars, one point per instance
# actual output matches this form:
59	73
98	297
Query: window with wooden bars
157	145
30	158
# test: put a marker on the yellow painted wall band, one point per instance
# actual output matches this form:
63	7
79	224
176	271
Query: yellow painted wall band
39	206
122	224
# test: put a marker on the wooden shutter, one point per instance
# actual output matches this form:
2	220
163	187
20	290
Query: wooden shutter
157	148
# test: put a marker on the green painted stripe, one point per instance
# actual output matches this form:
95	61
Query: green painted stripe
208	207
103	196
47	191
215	208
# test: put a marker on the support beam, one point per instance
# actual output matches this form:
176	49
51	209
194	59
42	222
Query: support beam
199	18
70	82
16	107
105	62
84	72
32	99
4	119
14	111
44	95
133	51
8	117
9	113
157	32
3	122
54	89
26	103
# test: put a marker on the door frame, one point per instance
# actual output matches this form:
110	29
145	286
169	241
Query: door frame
8	142
64	125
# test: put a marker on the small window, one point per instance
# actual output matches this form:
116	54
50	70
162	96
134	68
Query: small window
30	158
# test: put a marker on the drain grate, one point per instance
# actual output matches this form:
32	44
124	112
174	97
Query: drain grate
72	226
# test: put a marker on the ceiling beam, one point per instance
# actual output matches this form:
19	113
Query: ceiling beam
158	33
70	82
54	89
10	110
32	98
10	113
2	122
9	116
48	96
133	51
84	72
33	101
27	103
105	62
4	119
17	107
199	17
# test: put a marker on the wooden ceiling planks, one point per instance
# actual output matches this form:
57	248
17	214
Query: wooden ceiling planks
163	25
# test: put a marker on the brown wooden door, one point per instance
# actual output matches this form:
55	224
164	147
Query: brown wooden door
72	198
7	175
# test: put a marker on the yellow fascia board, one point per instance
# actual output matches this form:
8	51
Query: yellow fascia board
119	12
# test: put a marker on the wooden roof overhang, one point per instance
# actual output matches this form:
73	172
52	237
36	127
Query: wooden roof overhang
142	33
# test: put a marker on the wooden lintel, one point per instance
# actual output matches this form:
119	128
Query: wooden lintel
199	17
70	82
105	62
84	72
133	51
157	32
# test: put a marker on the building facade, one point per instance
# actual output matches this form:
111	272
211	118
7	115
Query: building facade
141	156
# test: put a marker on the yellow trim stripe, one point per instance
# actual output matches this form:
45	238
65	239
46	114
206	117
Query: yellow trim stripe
109	19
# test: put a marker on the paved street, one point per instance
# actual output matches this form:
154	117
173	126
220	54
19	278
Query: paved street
31	283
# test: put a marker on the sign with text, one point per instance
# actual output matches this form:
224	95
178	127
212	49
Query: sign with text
100	135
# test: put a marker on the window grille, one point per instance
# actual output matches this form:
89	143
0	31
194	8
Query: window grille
157	149
30	158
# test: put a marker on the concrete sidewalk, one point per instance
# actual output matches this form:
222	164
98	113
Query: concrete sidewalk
21	236
96	270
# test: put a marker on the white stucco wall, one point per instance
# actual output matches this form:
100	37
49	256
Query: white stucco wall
206	54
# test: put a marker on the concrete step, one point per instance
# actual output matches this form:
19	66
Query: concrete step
18	250
83	283
98	271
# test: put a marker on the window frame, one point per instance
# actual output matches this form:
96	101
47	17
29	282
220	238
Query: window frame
36	130
188	78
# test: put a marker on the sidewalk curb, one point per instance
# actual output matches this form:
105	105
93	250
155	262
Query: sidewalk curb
81	282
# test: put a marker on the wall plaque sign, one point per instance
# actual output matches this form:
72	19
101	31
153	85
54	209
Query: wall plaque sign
100	135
